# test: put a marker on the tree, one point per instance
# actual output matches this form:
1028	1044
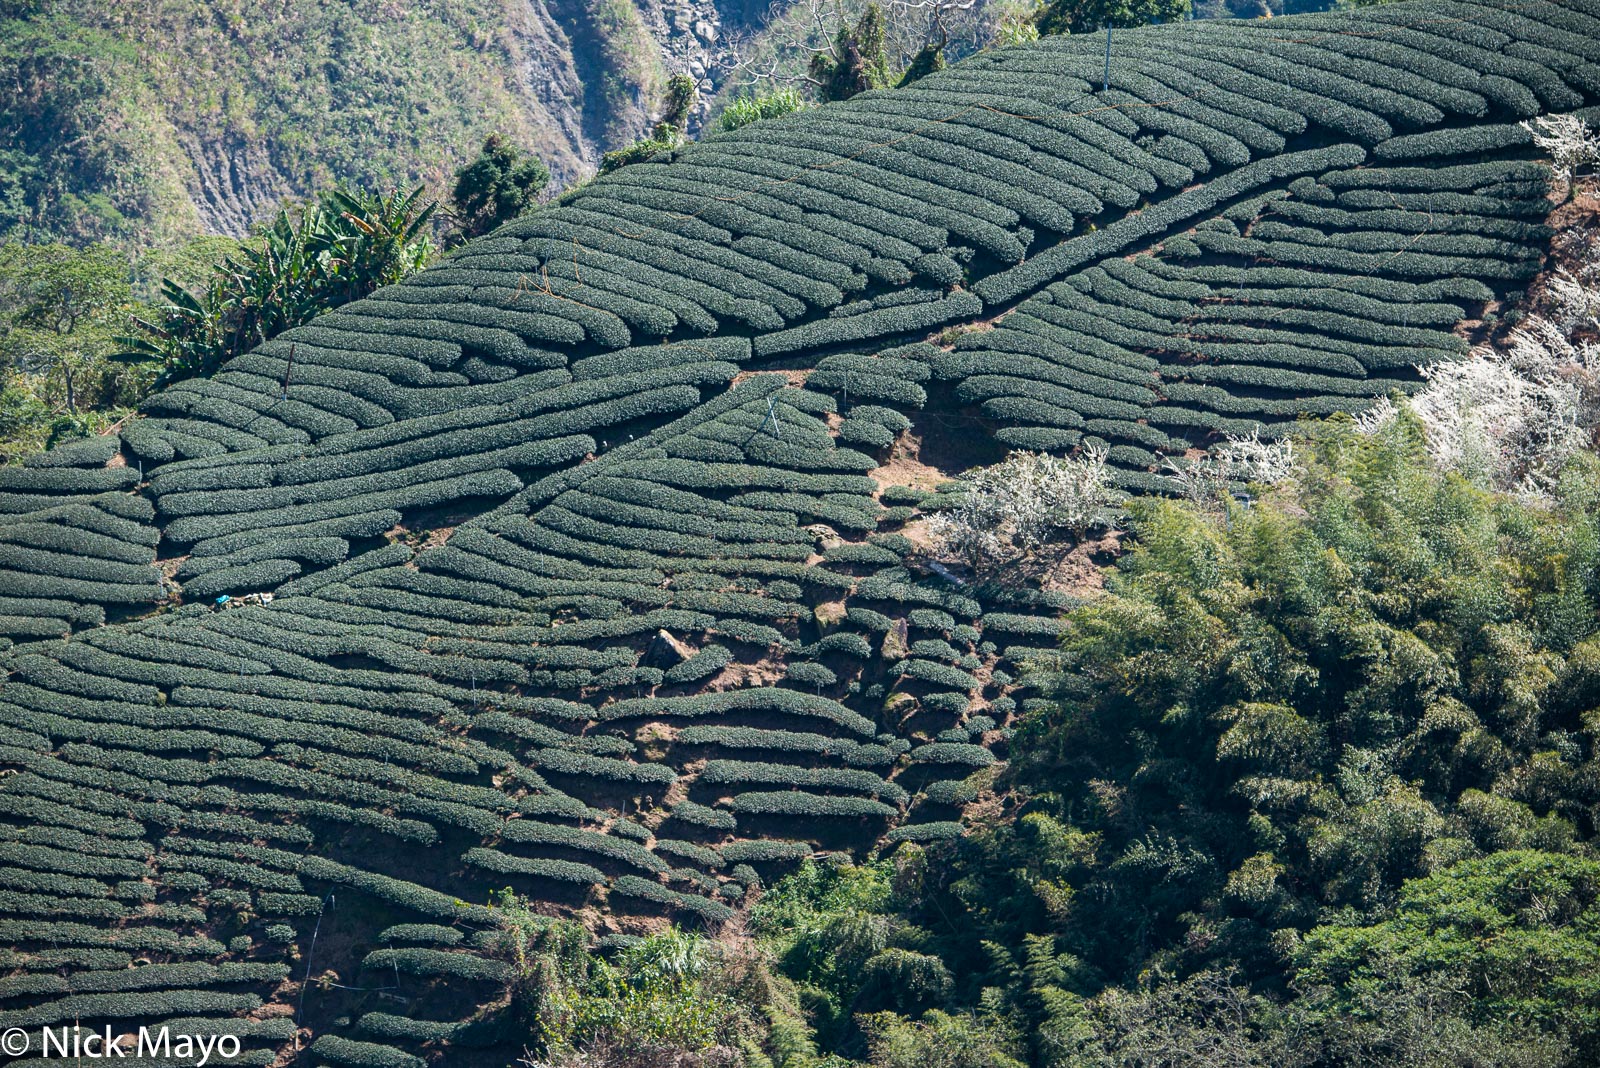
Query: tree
1018	506
59	309
929	58
1236	460
1087	16
939	1040
678	104
1208	1020
1571	142
856	62
1510	940
496	187
671	999
302	264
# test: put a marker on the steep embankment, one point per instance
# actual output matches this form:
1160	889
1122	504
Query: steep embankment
154	122
588	546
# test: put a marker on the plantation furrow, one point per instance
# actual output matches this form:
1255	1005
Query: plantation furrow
595	558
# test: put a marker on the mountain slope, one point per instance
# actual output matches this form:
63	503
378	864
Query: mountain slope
154	122
689	399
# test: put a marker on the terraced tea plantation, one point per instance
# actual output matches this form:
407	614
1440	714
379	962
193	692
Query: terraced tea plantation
589	573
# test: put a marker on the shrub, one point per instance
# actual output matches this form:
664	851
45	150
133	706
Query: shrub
925	832
545	868
702	815
757	852
735	771
799	803
387	1025
744	110
949	704
346	1051
421	932
952	753
847	644
809	674
427	962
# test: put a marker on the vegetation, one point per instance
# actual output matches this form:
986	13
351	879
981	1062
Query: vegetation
593	562
60	305
501	184
306	262
857	61
667	133
114	117
61	309
1020	505
744	110
71	370
1310	793
1087	16
1326	680
1570	143
669	995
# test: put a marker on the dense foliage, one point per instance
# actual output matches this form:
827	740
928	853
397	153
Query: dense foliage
61	309
1307	771
151	124
496	187
304	263
1086	16
670	998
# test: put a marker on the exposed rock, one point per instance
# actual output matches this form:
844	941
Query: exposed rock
898	707
897	641
829	615
666	651
233	182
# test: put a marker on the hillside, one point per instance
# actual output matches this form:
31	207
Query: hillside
587	561
156	122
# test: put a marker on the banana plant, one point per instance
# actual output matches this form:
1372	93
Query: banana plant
302	264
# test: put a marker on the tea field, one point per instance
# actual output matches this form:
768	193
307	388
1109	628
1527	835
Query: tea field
589	574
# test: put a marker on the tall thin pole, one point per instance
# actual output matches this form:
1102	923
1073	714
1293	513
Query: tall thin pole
772	417
1106	87
306	981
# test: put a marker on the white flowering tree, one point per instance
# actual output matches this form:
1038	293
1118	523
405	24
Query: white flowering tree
1237	459
1570	142
1024	503
1574	302
1511	414
1509	417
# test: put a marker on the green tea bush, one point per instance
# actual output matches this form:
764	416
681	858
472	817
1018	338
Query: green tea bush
346	1051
